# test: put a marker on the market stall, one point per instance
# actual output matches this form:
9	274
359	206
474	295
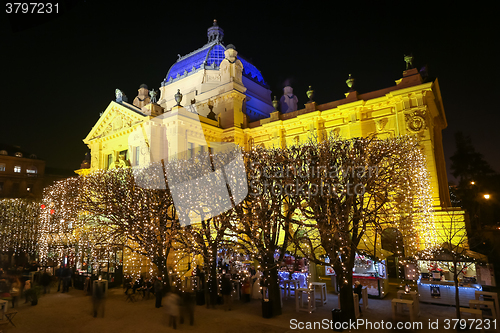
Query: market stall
369	273
436	285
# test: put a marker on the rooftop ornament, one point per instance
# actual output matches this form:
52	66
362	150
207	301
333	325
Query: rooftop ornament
275	104
178	97
409	61
215	33
310	94
350	82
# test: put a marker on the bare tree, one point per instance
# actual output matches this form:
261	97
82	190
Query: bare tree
19	225
144	219
267	213
454	250
351	190
205	238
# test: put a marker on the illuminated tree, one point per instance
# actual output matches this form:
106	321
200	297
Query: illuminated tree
208	207
454	251
205	238
59	216
353	189
143	219
266	214
19	226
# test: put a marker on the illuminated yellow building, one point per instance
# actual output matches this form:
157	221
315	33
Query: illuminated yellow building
228	97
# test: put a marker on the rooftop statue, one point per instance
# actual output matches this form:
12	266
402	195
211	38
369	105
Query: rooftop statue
288	101
153	93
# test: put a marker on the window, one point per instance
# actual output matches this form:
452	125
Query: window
19	154
3	152
110	160
190	150
17	168
2	166
125	154
31	170
136	155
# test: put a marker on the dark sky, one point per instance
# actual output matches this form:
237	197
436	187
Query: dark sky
58	76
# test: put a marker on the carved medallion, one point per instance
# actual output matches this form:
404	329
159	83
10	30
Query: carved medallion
415	121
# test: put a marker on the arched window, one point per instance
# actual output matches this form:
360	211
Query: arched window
3	152
19	154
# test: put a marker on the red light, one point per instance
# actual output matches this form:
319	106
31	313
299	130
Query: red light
42	206
52	211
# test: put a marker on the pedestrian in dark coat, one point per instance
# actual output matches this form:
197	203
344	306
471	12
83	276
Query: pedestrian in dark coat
59	274
158	288
45	280
187	307
98	299
226	289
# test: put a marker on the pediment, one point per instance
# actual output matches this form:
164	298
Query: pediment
115	118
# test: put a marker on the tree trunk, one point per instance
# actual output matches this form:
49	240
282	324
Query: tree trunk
212	290
347	301
345	295
457	298
163	272
274	291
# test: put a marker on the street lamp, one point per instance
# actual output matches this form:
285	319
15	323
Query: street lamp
486	196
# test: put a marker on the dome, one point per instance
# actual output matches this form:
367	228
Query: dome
209	57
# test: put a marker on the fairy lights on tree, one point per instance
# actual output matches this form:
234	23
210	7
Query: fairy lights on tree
143	220
353	190
266	214
19	226
319	199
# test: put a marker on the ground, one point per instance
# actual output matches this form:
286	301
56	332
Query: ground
72	312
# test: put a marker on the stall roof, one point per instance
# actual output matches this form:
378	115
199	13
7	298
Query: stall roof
446	249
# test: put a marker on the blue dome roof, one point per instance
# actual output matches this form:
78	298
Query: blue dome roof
209	57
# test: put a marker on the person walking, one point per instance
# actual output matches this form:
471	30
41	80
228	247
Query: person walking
158	288
27	286
226	289
187	307
66	277
173	302
59	274
45	280
247	290
98	299
15	290
358	288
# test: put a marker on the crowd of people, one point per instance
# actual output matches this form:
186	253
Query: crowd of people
178	305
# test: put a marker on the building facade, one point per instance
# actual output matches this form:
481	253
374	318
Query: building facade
21	173
214	95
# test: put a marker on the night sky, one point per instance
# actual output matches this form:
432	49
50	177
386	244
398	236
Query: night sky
59	75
